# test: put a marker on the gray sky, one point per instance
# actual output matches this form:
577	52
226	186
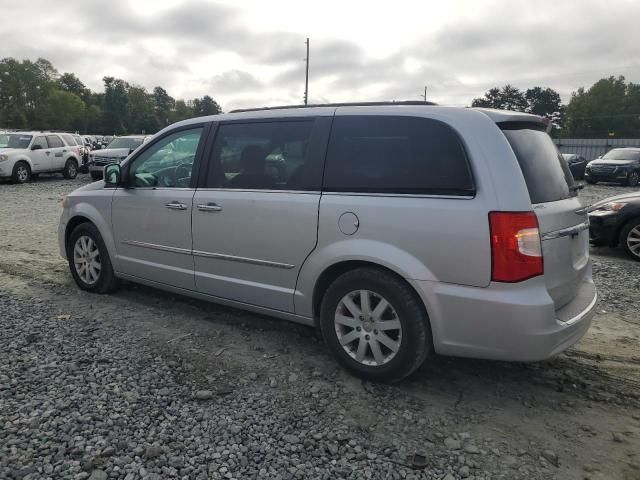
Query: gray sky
250	53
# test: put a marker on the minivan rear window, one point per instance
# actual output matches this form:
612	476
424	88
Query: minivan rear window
547	175
396	154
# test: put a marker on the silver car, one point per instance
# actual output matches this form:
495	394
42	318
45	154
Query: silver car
399	230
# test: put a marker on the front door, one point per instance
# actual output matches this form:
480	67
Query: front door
255	221
41	157
152	219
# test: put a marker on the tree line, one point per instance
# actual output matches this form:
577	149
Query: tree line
609	108
35	95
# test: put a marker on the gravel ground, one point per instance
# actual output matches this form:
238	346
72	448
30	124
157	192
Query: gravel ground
142	384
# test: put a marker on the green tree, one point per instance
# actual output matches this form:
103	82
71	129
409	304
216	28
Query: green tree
115	107
63	111
141	111
610	107
546	102
505	98
182	111
164	104
205	106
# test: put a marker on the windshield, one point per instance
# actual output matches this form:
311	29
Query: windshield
18	141
124	142
619	154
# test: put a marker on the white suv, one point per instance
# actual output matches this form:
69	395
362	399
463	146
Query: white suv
28	154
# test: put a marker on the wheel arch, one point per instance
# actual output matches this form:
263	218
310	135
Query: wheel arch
332	272
71	226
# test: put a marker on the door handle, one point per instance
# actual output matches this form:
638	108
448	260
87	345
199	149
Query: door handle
209	207
176	206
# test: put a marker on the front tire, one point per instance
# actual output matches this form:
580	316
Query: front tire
89	260
375	325
70	169
96	175
591	182
630	238
632	179
21	172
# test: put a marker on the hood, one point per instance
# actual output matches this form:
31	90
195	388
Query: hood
7	150
625	197
603	161
111	152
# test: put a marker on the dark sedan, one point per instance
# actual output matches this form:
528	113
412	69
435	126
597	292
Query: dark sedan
615	221
620	165
576	163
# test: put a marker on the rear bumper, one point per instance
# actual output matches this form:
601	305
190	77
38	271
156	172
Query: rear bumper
513	322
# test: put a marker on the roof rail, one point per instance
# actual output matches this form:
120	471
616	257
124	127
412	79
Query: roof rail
347	104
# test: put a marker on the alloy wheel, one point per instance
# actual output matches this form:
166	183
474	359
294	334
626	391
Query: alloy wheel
22	173
368	327
86	259
633	241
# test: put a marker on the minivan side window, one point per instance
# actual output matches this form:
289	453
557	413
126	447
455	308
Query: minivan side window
270	155
167	163
396	154
54	141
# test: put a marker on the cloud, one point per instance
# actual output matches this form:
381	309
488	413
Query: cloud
247	52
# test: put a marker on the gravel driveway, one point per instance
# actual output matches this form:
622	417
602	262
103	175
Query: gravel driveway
146	385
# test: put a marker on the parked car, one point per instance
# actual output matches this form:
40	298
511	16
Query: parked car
620	165
29	154
116	151
577	164
4	140
398	229
74	142
615	221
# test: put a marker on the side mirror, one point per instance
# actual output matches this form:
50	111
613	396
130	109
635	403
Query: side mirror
112	174
36	147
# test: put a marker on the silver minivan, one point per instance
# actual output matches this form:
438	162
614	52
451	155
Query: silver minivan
399	229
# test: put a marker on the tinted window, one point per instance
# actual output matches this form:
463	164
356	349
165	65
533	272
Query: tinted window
54	141
264	155
621	154
168	162
68	139
547	176
41	141
396	155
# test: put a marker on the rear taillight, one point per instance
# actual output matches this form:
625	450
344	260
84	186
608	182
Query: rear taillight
516	250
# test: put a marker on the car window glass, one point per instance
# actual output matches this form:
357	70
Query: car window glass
394	154
54	141
168	162
41	141
19	141
262	155
69	140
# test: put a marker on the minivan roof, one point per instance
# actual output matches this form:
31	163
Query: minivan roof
386	108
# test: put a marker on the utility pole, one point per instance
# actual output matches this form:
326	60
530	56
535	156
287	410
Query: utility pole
306	79
425	94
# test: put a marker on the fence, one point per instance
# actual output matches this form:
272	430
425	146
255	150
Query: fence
591	148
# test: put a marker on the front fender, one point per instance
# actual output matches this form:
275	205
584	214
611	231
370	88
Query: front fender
354	249
97	212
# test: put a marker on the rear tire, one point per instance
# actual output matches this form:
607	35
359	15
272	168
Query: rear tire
591	182
630	238
89	260
96	175
373	340
70	169
21	172
632	179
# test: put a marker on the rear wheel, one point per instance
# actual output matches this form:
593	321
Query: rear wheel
70	169
96	175
630	238
375	325
632	179
591	182
89	260
21	172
